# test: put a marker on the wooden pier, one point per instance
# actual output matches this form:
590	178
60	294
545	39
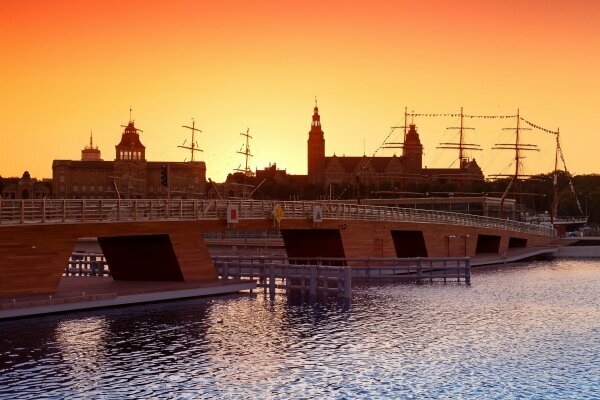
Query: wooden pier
311	275
335	275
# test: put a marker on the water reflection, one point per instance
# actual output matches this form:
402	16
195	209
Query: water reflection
81	347
531	331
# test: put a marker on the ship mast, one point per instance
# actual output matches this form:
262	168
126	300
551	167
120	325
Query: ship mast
554	205
461	146
193	148
247	171
398	145
518	147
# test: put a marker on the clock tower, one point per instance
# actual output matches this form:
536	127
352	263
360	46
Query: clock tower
316	149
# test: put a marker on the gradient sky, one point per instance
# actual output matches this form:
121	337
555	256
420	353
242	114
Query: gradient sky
69	67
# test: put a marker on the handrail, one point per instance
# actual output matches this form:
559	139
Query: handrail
335	261
51	211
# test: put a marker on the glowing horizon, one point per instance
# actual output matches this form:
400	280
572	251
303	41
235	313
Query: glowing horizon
79	66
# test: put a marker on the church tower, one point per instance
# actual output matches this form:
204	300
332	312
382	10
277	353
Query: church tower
412	151
316	149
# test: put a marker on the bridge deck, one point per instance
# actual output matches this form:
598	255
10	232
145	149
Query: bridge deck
159	240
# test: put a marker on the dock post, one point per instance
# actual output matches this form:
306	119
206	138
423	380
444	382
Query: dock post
347	283
419	271
313	281
272	279
225	270
468	271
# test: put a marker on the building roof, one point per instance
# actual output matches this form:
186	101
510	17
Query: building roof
130	137
352	164
83	164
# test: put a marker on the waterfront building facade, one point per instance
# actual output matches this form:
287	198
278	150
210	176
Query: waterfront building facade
25	187
394	171
129	176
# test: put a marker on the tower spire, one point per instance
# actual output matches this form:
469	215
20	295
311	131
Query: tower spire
316	148
90	153
316	120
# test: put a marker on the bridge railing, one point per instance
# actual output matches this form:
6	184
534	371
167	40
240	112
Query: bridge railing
93	210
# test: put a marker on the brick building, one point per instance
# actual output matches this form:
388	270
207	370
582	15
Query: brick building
130	175
394	170
24	188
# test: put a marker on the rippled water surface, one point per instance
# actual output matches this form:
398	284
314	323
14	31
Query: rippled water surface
531	331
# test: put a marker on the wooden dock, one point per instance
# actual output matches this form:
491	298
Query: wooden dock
335	275
311	275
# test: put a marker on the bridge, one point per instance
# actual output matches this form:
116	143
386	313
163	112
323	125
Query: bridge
163	240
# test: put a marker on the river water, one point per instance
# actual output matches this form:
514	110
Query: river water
529	331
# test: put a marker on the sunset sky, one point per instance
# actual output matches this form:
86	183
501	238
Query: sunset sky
69	67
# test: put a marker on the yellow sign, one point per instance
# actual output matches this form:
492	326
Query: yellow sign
278	213
317	214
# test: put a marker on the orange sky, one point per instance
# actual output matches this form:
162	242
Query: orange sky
71	66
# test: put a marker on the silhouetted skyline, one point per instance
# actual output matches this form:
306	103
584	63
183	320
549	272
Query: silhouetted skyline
235	65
